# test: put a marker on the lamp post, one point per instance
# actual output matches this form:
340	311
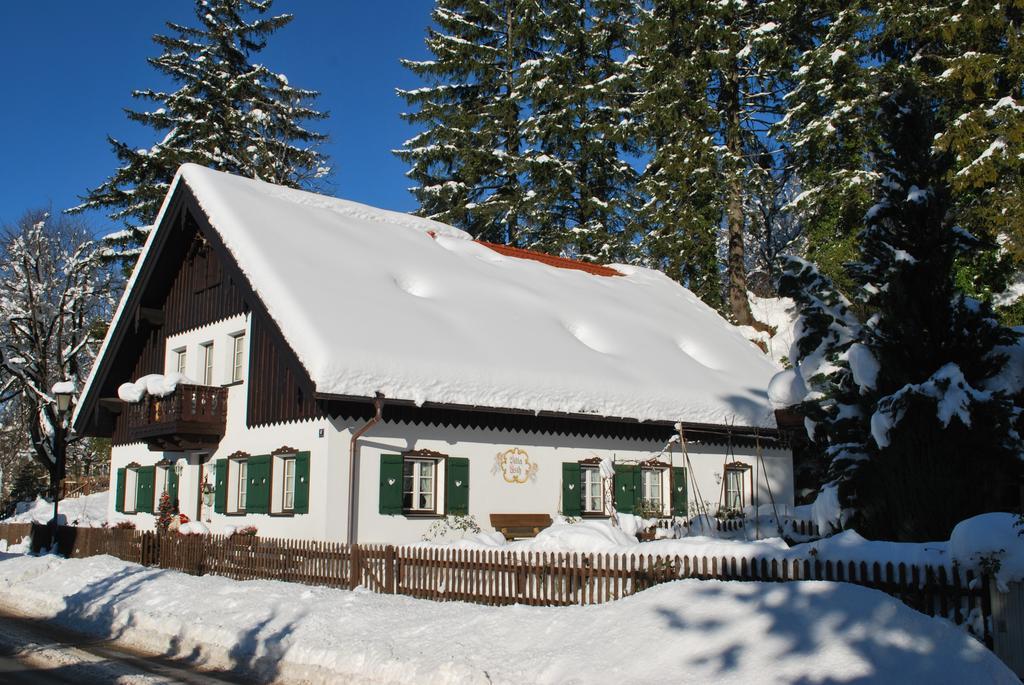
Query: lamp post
63	392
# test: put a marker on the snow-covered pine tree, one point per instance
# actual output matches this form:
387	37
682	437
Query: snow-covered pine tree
580	97
467	161
966	57
681	216
714	78
918	429
227	113
56	296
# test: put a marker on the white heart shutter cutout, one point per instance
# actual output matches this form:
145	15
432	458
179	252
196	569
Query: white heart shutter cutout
391	481
572	486
458	483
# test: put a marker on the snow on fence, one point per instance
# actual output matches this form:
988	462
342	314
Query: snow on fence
496	577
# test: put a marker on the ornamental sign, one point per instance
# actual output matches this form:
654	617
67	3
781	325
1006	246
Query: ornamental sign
515	466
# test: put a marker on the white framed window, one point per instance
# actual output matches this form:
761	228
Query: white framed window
419	491
237	357
242	482
590	480
733	489
181	360
288	483
162	476
131	486
207	363
652	489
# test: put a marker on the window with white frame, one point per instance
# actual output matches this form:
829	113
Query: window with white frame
651	489
733	489
237	357
288	483
241	483
207	349
419	492
162	476
131	486
593	498
181	360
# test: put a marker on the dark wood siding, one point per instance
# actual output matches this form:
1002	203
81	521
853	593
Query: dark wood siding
189	289
200	293
279	387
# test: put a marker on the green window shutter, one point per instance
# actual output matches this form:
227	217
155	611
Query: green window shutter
572	496
257	496
391	484
220	493
172	485
119	491
301	483
625	488
679	487
457	485
144	490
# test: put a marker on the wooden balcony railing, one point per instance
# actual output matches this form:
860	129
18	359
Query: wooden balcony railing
192	417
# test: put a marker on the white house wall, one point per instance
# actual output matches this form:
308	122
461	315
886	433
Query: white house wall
328	441
490	492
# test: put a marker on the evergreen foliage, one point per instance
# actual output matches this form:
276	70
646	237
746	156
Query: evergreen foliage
579	93
467	162
910	405
227	113
967	59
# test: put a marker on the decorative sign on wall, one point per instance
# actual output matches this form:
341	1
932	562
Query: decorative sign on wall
515	466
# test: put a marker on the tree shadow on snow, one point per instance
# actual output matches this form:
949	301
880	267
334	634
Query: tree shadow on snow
94	611
807	617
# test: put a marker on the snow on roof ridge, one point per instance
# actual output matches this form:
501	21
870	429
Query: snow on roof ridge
197	174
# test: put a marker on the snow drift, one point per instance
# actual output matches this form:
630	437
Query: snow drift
689	631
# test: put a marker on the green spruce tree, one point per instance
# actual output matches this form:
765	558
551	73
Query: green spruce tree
227	113
967	59
911	405
714	76
467	161
580	98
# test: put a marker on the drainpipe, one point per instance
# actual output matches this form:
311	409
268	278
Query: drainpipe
378	406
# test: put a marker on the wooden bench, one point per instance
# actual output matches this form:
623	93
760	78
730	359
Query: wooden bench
520	525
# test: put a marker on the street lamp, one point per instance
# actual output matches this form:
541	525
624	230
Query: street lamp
63	391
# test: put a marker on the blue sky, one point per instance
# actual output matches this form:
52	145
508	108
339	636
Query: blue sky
71	68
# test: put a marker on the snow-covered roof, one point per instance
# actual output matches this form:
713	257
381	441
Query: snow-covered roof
378	301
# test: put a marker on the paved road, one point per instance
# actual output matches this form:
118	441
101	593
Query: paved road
35	652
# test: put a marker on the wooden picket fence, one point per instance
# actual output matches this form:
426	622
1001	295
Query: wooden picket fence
14	533
790	526
498	577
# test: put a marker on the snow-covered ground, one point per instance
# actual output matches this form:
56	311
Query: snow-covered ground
87	511
685	632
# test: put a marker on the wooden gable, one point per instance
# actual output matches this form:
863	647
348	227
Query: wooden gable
189	280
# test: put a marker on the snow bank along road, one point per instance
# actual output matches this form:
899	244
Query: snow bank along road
688	631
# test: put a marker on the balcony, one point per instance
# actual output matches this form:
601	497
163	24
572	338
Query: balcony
192	417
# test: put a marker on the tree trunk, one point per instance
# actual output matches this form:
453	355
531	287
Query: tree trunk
739	305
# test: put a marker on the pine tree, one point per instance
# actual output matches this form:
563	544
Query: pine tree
467	162
715	78
681	215
580	97
967	58
227	113
919	431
